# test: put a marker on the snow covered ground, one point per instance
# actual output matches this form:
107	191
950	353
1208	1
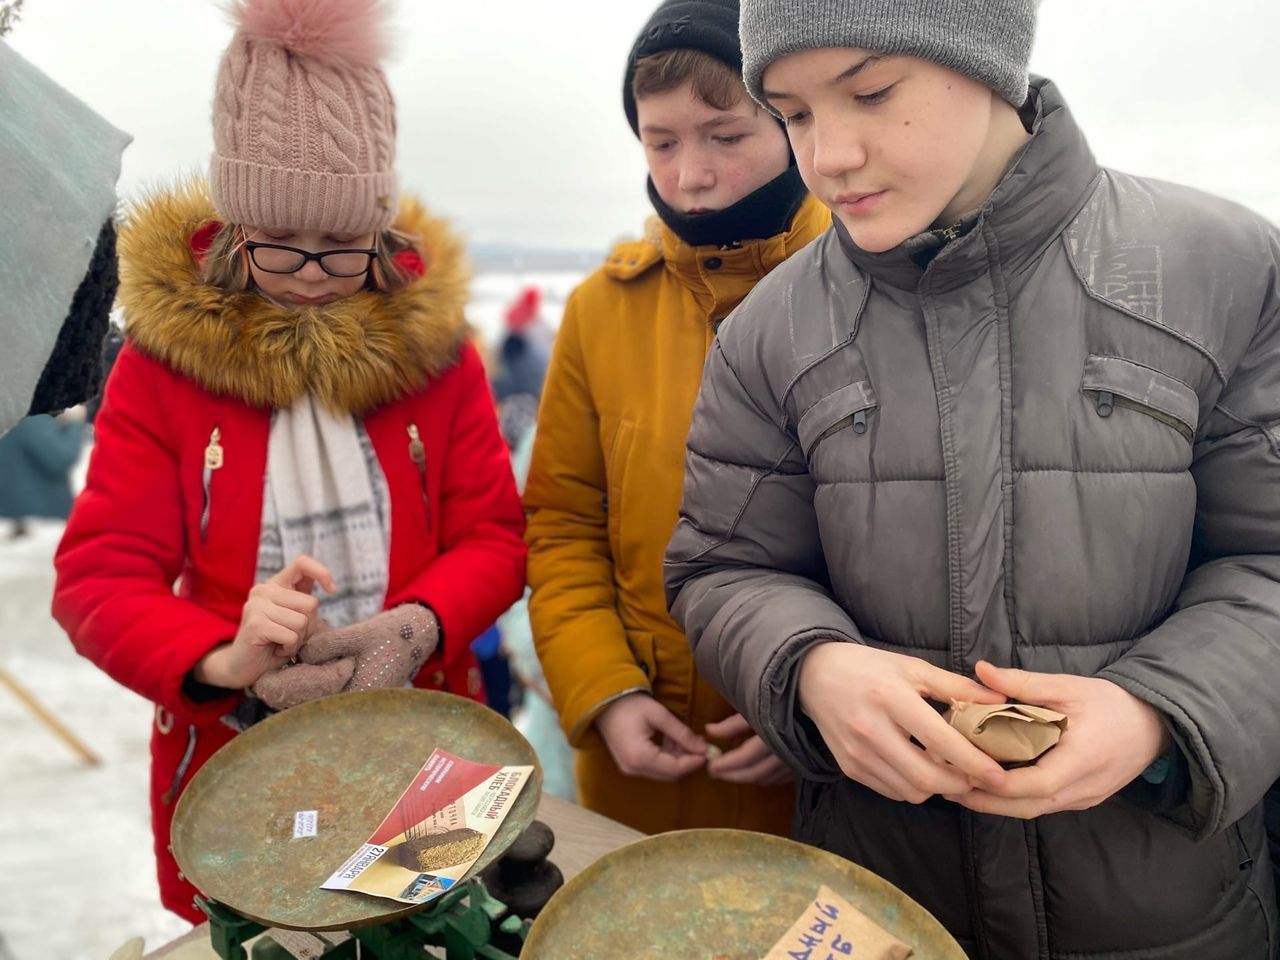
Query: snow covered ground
62	820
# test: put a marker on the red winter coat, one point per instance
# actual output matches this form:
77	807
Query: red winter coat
197	361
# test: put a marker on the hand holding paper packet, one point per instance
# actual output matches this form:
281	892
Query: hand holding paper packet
1007	732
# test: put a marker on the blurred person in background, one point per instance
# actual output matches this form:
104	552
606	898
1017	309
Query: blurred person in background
36	457
520	364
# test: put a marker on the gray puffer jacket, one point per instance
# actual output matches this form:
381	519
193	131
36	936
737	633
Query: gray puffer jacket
1054	443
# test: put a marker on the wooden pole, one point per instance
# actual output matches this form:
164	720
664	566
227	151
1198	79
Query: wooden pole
43	714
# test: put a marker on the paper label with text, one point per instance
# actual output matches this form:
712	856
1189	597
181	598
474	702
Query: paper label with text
438	828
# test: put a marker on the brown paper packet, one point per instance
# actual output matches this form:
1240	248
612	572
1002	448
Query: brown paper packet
832	926
1007	732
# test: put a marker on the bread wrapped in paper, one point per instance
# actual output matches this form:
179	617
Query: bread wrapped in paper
1007	732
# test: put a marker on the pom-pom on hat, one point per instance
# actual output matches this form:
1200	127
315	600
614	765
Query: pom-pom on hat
304	125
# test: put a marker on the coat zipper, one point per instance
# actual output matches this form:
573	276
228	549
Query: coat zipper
418	454
1106	402
856	420
213	459
183	765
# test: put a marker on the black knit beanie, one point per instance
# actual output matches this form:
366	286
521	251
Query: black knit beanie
707	25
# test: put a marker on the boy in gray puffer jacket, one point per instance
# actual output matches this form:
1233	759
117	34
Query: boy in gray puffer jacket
1011	428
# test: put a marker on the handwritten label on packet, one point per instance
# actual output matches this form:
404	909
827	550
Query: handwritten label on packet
438	828
832	929
304	824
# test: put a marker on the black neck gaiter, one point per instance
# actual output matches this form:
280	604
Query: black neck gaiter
759	215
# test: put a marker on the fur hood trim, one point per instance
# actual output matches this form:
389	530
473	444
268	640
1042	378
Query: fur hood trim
352	355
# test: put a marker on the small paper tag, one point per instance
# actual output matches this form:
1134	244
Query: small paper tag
832	928
304	824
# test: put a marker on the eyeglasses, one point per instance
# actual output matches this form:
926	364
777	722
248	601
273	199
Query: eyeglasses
276	258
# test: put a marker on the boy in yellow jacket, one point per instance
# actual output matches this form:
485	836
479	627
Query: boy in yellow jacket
657	748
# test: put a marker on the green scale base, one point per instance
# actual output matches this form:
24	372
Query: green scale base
467	922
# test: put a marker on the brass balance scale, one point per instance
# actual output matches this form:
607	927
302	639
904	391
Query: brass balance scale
349	757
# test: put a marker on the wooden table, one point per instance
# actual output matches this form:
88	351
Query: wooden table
582	837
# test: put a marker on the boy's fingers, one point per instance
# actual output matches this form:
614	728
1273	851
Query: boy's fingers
886	782
729	728
945	686
1026	686
650	761
668	724
747	754
913	766
1022	809
1045	778
944	742
762	772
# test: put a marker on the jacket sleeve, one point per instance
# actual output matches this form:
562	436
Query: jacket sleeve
745	572
123	549
479	572
573	609
1213	667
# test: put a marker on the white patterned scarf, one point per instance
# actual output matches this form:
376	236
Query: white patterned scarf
326	496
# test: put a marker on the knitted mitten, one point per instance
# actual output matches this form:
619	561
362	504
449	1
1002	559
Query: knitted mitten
388	649
296	683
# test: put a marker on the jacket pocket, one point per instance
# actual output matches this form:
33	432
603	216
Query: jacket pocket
615	469
847	408
1113	382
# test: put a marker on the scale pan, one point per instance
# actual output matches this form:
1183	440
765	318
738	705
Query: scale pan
714	895
347	757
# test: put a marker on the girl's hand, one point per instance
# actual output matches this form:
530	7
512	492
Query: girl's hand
871	708
278	616
751	761
630	725
1111	737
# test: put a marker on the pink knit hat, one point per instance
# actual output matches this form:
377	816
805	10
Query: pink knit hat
304	126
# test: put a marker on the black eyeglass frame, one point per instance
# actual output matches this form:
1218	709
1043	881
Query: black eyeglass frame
308	256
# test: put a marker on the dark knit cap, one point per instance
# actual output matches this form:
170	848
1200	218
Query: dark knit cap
707	25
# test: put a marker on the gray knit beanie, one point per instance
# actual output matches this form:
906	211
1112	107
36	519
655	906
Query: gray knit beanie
989	40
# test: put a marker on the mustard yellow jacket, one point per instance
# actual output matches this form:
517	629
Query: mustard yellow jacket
602	498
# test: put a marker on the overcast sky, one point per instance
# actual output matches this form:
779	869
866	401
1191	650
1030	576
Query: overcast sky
510	111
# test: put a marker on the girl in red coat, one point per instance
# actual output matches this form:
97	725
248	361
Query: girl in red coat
298	485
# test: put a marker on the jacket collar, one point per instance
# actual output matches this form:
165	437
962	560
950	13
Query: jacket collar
719	278
352	355
1043	189
762	213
